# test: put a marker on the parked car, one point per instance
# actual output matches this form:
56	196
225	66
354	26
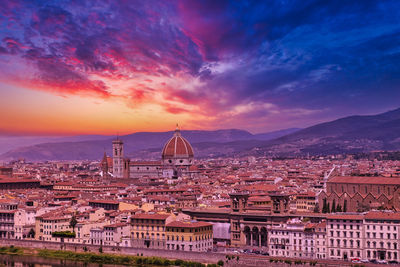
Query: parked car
247	251
382	262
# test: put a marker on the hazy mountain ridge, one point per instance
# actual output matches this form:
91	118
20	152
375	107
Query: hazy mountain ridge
137	145
351	134
346	135
8	143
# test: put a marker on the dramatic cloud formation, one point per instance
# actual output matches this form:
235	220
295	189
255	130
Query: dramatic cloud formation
257	65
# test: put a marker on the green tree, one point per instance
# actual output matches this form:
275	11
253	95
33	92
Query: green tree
73	222
333	206
328	209
345	206
339	208
325	207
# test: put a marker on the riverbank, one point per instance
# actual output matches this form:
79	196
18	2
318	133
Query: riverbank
190	256
100	258
91	252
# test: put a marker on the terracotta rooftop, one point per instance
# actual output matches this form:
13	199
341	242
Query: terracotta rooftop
150	216
115	225
104	201
377	215
365	180
345	217
146	163
181	224
3	181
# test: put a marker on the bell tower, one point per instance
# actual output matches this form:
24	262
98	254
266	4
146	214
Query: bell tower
239	201
118	158
104	166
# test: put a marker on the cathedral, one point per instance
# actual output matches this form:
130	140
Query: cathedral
176	160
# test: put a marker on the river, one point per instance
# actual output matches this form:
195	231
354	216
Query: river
33	261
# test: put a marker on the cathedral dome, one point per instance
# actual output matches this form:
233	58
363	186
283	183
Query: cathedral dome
177	147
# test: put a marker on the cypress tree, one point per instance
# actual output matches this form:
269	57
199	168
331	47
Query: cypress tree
333	206
326	207
339	208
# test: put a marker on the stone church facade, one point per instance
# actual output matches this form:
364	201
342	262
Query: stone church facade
361	193
176	160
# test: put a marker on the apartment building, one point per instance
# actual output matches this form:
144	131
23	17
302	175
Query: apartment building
306	202
113	233
148	229
55	221
320	241
345	234
286	239
382	236
189	236
96	236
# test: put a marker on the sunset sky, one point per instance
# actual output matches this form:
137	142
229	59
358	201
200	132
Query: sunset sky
106	67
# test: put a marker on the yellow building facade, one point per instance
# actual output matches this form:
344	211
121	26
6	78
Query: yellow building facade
189	236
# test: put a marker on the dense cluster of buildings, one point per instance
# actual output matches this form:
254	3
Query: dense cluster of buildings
325	208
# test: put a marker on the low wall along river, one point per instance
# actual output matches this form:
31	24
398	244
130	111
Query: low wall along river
171	254
204	257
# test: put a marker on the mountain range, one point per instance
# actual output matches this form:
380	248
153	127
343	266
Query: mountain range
351	134
146	145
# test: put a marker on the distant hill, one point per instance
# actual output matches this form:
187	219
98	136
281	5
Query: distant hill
8	143
346	135
353	134
137	145
275	134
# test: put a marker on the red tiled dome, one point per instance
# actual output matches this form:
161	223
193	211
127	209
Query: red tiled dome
177	147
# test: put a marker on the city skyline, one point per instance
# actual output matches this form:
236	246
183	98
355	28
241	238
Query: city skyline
122	67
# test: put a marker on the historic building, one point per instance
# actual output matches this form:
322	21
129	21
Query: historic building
373	236
106	166
345	236
177	156
118	158
306	202
382	231
189	236
148	230
176	160
354	193
113	233
250	226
